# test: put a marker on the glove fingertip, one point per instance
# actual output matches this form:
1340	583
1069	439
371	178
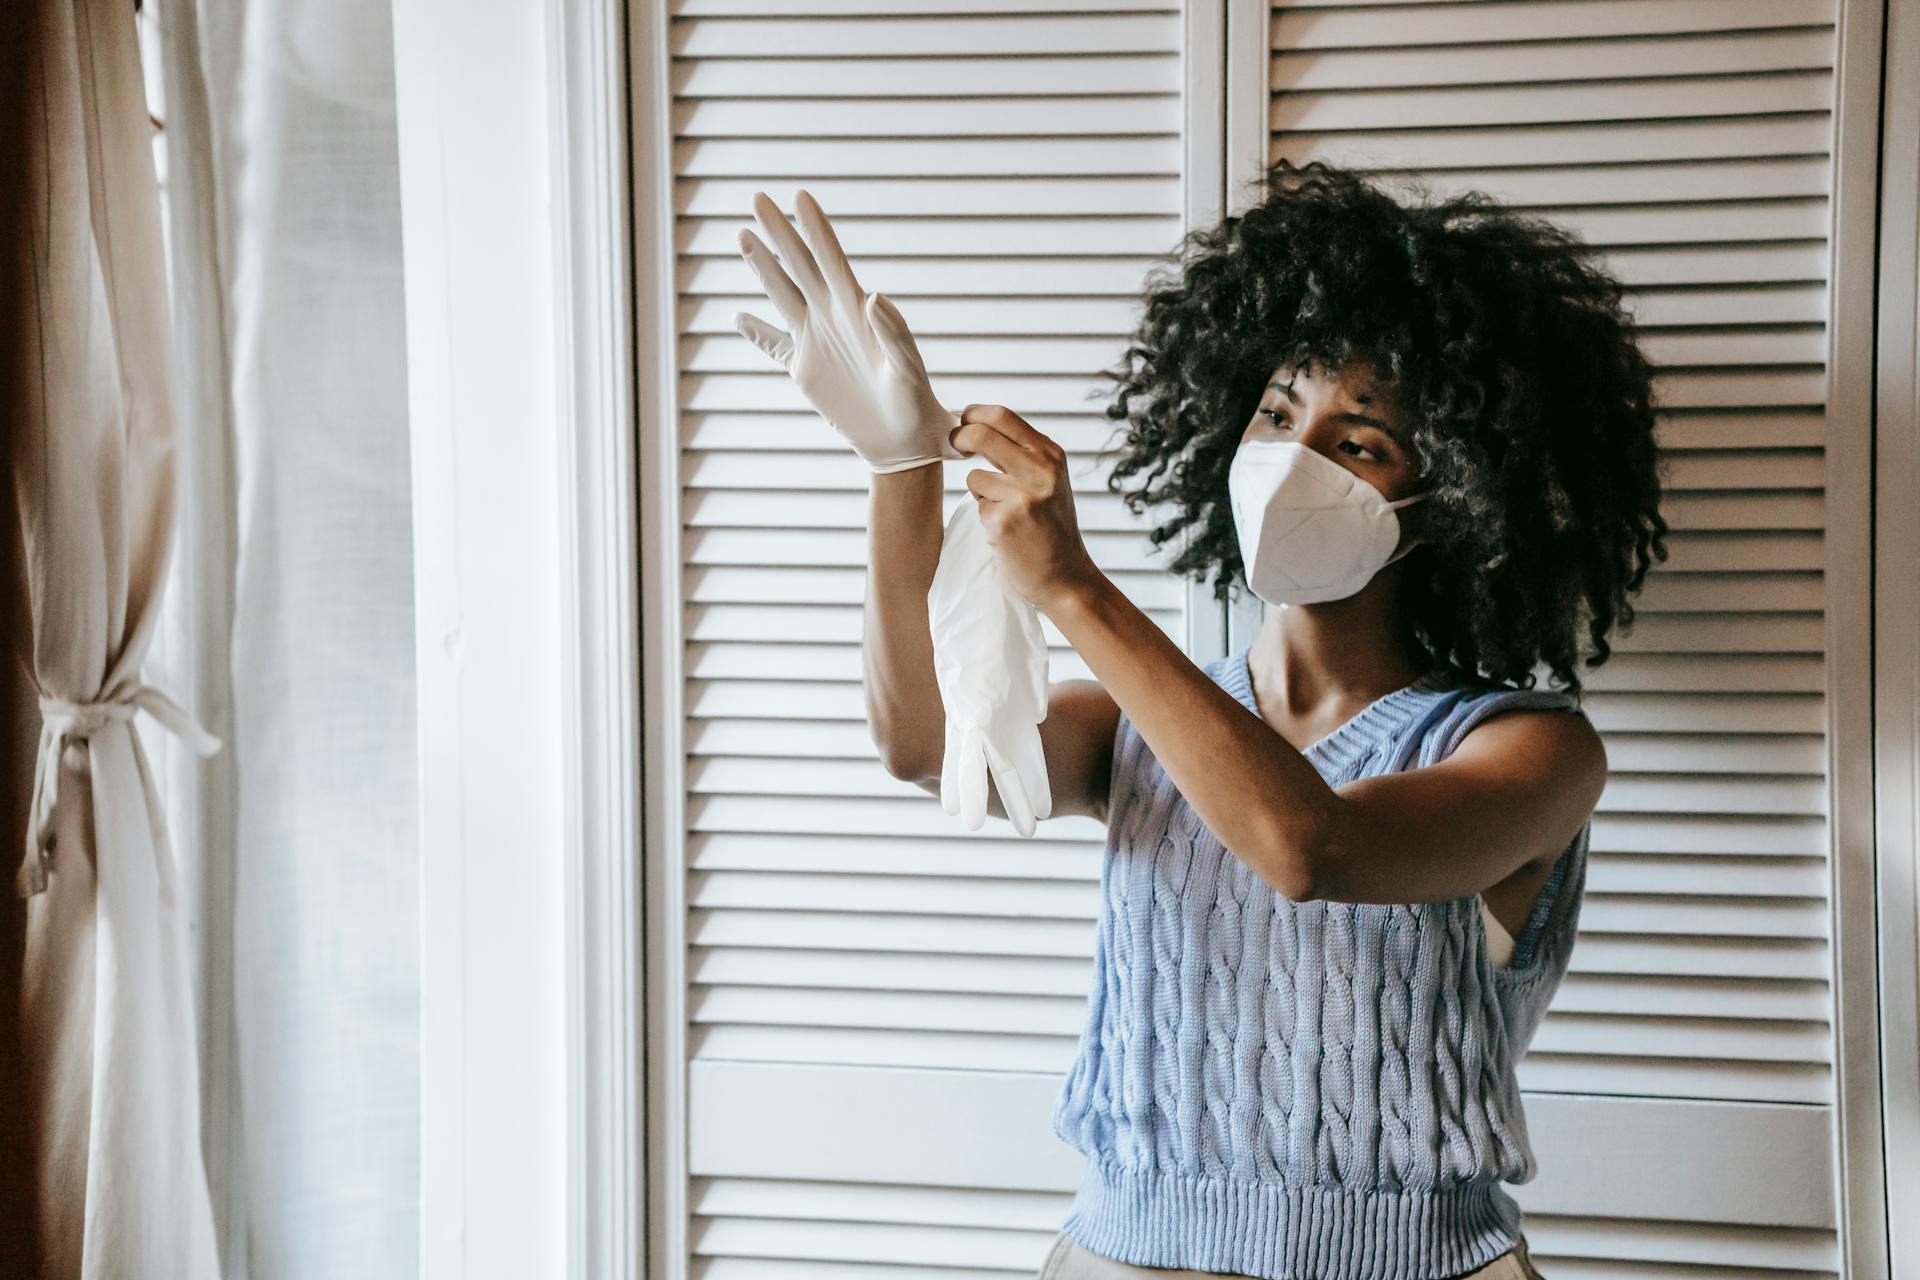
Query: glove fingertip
1014	798
949	773
973	780
1019	812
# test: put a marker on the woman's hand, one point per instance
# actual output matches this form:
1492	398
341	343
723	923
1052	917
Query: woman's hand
849	352
1027	506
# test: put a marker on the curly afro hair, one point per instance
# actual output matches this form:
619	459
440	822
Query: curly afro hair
1505	348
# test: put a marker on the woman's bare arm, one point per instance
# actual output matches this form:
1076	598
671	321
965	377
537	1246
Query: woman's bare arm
904	714
1517	789
896	648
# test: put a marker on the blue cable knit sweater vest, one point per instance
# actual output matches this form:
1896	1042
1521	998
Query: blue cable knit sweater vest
1320	1090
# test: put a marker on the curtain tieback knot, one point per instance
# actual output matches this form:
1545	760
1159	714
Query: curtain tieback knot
65	725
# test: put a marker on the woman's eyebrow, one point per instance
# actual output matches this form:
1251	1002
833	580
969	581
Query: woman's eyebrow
1349	416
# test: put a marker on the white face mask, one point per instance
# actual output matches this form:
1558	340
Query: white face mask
1310	530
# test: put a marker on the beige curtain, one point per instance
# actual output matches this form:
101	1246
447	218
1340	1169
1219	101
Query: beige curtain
106	1015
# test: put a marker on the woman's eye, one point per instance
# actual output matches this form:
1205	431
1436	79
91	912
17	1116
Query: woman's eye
1277	419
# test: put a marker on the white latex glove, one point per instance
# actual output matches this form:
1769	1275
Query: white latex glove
851	354
990	658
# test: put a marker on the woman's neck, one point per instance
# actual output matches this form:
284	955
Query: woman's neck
1308	655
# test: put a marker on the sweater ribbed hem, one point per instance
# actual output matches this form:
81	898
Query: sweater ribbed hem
1167	1219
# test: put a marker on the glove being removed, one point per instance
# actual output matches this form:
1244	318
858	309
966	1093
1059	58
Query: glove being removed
990	659
850	353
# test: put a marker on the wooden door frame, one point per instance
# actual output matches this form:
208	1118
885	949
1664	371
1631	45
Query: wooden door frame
1887	379
512	126
664	1205
1853	610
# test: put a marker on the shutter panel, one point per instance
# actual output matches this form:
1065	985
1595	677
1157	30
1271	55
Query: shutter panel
879	1004
1007	175
1688	141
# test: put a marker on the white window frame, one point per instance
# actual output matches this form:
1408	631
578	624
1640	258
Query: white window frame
513	150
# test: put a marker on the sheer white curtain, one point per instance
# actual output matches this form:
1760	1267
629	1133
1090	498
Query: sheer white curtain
290	624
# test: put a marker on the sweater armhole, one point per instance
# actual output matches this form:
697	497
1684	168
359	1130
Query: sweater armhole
1471	714
1545	904
1116	765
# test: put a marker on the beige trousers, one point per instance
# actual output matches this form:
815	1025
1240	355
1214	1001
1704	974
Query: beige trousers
1068	1261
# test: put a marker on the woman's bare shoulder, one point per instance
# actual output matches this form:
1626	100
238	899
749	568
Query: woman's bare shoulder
1558	744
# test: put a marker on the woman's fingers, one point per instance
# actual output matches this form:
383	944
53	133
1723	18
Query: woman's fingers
895	338
1014	427
777	344
793	250
827	253
780	289
989	438
991	486
975	438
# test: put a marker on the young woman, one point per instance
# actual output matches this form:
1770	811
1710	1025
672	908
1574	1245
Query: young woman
1344	864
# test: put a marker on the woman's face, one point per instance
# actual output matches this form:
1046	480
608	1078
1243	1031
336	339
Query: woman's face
1338	415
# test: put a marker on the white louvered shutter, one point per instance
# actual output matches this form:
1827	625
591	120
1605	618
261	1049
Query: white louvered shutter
856	959
880	1004
1689	140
